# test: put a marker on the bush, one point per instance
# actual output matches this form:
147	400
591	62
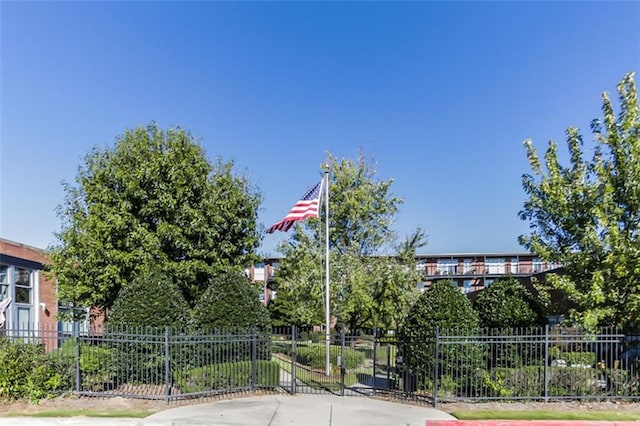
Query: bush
512	382
228	376
152	301
98	364
144	308
230	302
315	356
443	306
573	358
26	372
506	303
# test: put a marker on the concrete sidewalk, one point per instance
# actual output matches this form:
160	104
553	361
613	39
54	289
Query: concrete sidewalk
304	410
270	410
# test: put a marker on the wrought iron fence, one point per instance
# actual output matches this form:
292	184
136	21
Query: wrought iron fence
465	365
155	363
545	364
452	365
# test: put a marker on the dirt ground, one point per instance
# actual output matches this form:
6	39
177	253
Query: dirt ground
122	404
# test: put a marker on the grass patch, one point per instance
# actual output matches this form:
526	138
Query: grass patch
82	412
605	415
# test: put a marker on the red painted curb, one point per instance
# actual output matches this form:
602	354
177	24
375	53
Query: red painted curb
529	423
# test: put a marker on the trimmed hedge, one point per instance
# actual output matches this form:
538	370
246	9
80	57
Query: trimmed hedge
227	376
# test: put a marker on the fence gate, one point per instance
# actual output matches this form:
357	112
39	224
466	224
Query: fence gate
360	365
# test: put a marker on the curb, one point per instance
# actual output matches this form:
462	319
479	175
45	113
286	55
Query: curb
530	423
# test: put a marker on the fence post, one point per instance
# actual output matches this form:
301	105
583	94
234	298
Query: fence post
341	363
167	365
78	376
254	359
294	349
375	333
546	363
435	367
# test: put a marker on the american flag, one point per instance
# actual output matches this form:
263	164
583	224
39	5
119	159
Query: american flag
304	208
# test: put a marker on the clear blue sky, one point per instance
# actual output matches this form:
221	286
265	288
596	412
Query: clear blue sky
440	95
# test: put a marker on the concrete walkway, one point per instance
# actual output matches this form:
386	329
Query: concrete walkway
303	410
269	410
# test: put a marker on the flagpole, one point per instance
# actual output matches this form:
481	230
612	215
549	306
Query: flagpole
327	334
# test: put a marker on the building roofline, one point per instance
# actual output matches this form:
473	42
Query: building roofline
476	254
27	246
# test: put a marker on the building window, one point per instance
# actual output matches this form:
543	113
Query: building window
4	282
447	266
514	265
467	267
466	286
22	281
73	320
494	266
488	282
537	265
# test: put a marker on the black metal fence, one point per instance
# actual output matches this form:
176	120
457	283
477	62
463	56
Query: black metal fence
460	365
156	363
453	365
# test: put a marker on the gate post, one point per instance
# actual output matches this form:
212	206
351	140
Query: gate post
78	376
166	364
254	358
342	361
435	367
546	363
293	359
375	333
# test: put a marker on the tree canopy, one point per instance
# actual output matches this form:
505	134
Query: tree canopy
154	203
586	215
369	286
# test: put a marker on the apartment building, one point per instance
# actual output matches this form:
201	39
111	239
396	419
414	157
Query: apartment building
262	274
470	271
33	303
475	271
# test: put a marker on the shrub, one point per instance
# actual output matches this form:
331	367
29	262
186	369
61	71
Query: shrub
227	376
152	301
443	306
315	356
144	308
512	382
573	358
98	364
506	303
230	302
26	372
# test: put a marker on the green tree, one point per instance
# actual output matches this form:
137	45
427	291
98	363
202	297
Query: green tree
153	202
586	215
507	303
367	288
150	300
441	307
230	302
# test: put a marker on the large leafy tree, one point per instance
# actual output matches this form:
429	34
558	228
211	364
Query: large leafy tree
586	215
368	286
152	202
